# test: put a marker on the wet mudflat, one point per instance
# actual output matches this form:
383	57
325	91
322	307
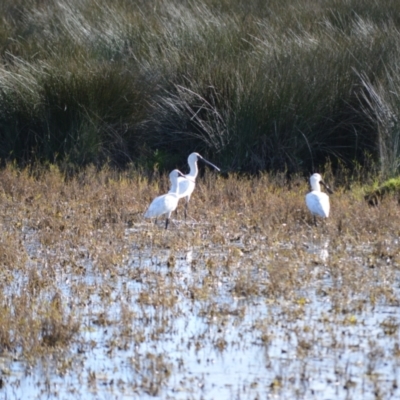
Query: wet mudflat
246	299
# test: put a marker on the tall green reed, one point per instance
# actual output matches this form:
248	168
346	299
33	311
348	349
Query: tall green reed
257	86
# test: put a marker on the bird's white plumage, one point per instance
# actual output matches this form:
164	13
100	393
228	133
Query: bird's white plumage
166	203
317	201
186	186
187	183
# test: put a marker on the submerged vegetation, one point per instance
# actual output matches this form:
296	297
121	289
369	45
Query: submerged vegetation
257	86
94	298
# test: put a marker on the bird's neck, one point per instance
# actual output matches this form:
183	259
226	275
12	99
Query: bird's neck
174	187
193	171
316	187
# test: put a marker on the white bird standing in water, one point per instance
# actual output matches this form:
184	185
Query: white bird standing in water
317	201
166	203
187	183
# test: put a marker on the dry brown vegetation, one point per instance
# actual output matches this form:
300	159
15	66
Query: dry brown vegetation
76	255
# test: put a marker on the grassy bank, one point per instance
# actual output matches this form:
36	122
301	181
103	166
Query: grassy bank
256	86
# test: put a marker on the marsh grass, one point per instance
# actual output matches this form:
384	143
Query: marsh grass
258	86
78	257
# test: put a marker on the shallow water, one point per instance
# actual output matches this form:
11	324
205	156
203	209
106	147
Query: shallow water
184	330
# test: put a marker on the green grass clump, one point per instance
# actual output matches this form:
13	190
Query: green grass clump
377	193
256	86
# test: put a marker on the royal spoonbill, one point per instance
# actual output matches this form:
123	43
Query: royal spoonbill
187	183
317	201
166	203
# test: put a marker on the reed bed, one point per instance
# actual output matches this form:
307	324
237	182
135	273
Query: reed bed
260	86
77	258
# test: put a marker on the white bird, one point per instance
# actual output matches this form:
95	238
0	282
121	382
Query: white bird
166	203
317	201
187	183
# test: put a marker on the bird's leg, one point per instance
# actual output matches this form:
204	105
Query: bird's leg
166	223
315	220
186	208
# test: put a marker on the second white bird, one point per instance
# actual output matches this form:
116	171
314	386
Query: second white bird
187	183
166	203
317	201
